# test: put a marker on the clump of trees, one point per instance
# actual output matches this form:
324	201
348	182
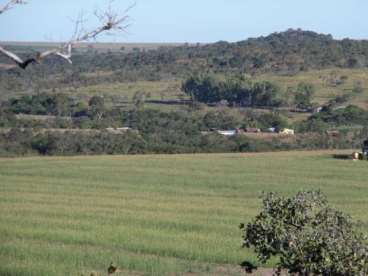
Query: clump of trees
57	104
349	115
76	143
236	91
334	117
307	235
43	104
303	95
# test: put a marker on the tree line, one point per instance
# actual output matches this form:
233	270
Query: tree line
148	131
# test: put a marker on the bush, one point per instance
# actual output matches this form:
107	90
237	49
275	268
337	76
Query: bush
275	120
349	115
303	95
312	125
308	236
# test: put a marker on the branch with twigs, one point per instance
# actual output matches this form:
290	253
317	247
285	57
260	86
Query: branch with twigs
109	22
10	4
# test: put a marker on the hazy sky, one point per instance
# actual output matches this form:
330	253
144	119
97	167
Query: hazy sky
190	20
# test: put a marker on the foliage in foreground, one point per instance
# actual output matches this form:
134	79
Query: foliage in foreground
308	236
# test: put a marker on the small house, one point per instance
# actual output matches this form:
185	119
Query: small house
227	132
317	109
287	131
118	130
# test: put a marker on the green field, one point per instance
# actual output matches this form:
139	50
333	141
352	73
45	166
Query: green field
153	215
321	79
171	89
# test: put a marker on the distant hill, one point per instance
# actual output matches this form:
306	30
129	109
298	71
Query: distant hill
292	50
286	52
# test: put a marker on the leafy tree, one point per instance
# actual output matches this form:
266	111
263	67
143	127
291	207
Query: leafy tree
303	95
43	104
139	99
307	236
312	125
275	120
342	116
220	119
7	118
202	88
265	94
96	107
44	144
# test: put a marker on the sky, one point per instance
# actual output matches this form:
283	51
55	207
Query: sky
188	20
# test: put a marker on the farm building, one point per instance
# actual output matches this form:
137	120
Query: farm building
317	109
227	132
287	131
118	130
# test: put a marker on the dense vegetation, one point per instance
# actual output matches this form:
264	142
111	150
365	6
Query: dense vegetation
287	52
234	91
174	99
68	126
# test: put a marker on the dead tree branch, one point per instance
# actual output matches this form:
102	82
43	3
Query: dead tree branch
110	22
10	4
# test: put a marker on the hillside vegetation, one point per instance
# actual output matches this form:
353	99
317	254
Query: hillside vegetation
279	54
278	81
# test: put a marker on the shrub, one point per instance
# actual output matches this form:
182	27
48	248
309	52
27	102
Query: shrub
307	236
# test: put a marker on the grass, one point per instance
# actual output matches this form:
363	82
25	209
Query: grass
157	90
153	215
168	90
321	79
122	93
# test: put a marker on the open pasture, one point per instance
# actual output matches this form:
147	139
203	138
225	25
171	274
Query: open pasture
153	215
324	83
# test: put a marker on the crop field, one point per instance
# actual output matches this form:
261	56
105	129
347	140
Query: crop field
153	215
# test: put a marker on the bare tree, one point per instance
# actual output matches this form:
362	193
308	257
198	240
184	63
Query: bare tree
109	22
